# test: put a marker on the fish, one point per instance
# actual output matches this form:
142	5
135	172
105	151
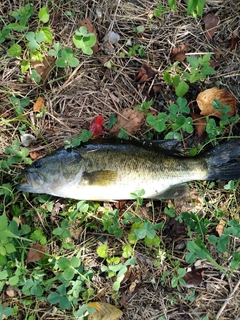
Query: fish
114	169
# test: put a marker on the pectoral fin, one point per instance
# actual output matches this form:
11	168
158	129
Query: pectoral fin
177	191
99	178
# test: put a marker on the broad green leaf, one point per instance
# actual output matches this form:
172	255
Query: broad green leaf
87	50
61	63
3	222
53	297
43	14
15	50
63	263
194	62
3	274
68	273
73	62
75	262
25	65
47	35
102	251
182	89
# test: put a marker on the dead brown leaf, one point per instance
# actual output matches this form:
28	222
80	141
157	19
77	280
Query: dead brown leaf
34	155
90	28
205	100
43	68
220	227
178	53
39	104
104	311
145	74
10	292
130	120
199	124
210	23
36	253
234	42
194	277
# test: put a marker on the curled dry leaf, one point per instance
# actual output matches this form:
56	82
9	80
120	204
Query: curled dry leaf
130	120
194	277
234	43
205	100
145	74
34	155
36	253
39	104
104	311
43	68
210	23
178	53
200	124
90	28
220	227
10	292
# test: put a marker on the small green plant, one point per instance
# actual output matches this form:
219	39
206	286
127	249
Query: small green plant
178	280
84	40
160	10
213	129
136	50
139	29
199	69
118	270
77	140
65	56
174	121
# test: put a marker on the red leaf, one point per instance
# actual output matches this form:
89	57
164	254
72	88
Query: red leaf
96	126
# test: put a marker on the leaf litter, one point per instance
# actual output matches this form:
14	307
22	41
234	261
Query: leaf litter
79	96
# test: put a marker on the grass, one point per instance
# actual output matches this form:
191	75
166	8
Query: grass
132	254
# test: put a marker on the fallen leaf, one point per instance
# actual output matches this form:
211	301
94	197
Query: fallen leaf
130	120
34	155
199	123
96	126
145	74
234	42
218	53
194	277
39	104
104	311
43	68
210	22
10	292
220	227
36	253
178	53
205	100
90	28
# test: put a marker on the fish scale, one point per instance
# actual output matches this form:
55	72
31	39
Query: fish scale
113	169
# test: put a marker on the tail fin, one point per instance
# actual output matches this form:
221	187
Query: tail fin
224	161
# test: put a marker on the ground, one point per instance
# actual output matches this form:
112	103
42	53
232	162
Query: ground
74	97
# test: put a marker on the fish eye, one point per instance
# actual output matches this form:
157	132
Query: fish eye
37	164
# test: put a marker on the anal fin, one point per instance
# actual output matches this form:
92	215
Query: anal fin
176	191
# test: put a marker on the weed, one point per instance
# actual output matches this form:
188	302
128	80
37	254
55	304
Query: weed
84	40
199	69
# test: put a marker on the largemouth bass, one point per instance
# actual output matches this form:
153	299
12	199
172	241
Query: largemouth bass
112	170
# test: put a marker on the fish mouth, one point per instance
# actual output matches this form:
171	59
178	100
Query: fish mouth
33	182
